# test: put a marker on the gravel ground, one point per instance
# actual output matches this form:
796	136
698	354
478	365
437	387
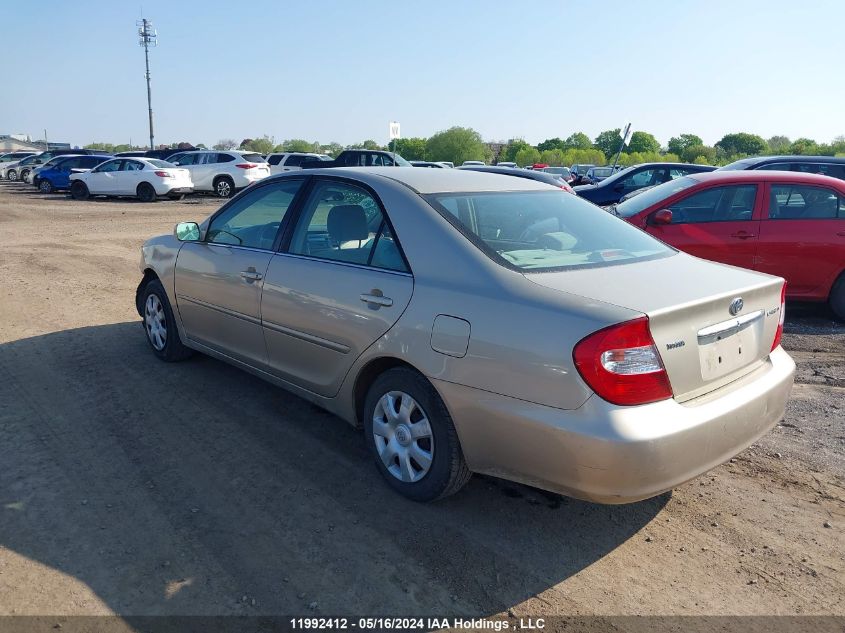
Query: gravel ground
134	487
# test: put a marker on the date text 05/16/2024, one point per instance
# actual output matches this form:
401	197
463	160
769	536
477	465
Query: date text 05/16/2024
415	624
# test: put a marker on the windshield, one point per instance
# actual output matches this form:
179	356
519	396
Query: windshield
401	162
564	171
632	206
738	164
603	172
545	230
159	163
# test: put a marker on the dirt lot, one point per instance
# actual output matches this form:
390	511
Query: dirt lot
134	487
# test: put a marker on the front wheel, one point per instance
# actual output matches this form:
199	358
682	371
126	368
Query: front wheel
146	192
224	187
45	186
79	191
12	175
412	438
160	326
837	298
24	175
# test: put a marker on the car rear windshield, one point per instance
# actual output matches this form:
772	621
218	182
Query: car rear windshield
537	231
253	158
632	206
159	163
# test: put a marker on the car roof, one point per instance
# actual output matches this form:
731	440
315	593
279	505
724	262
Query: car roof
431	180
765	176
756	160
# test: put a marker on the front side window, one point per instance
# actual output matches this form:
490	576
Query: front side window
344	223
801	202
184	159
645	178
70	163
253	220
545	230
717	204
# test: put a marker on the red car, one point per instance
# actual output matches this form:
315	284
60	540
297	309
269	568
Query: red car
788	224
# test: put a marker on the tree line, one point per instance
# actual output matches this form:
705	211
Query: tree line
458	144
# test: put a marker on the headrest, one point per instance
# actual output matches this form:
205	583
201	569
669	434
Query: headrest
347	222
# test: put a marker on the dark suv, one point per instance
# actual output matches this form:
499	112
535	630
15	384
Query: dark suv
612	188
825	165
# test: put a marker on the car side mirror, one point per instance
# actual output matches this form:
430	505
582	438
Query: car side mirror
187	232
662	217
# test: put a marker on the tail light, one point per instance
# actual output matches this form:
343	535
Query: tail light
779	331
163	174
246	165
565	186
622	365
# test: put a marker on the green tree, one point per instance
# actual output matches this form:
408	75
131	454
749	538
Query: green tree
409	148
693	153
332	149
527	156
104	147
552	157
642	142
263	145
457	144
741	143
298	145
679	144
368	144
608	142
512	149
804	146
225	143
779	144
550	143
578	140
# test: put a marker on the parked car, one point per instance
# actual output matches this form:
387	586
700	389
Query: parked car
222	172
550	357
446	163
26	165
783	223
289	161
142	178
612	188
561	172
165	154
56	177
538	176
132	154
10	157
578	172
32	174
597	174
508	164
427	163
15	169
833	166
475	163
359	158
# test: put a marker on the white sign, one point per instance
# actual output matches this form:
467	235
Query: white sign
394	130
625	134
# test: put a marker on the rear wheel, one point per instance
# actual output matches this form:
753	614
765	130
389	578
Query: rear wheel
45	186
412	438
224	187
24	174
159	324
79	191
12	175
837	298
146	192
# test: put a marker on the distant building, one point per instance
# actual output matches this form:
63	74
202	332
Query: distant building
21	143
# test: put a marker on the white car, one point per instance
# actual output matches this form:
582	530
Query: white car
291	161
16	170
473	163
10	157
222	172
144	178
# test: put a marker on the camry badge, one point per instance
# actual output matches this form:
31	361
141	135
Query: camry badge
736	306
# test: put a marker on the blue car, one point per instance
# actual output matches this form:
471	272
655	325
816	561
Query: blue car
57	177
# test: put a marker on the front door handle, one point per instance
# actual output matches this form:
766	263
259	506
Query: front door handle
743	235
377	299
251	275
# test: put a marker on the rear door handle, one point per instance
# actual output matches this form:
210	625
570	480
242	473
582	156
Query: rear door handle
743	235
251	275
379	300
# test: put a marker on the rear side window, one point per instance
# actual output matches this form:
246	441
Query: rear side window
802	202
545	230
825	169
275	159
224	158
717	204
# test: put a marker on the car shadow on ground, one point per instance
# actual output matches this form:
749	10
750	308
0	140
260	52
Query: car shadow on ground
196	488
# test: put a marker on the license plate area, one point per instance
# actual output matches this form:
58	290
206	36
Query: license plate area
728	346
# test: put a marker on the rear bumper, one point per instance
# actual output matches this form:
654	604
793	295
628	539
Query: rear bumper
610	454
164	189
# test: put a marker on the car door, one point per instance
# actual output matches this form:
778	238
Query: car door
802	237
189	161
202	173
129	177
102	180
340	284
719	223
219	280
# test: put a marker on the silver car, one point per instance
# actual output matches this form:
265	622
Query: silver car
474	322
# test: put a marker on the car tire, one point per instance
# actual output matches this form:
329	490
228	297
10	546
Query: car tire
146	192
79	191
224	187
837	298
45	186
24	175
396	443
159	324
12	175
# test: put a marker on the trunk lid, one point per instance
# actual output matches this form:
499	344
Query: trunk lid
703	341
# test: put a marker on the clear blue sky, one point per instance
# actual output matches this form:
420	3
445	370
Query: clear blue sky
340	71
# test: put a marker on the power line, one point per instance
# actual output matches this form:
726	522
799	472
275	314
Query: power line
147	37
